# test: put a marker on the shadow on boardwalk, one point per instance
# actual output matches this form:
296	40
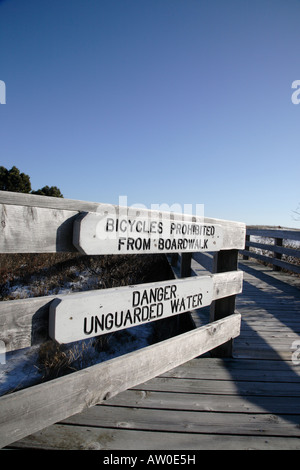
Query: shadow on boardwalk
270	309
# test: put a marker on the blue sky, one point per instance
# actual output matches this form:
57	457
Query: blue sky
162	101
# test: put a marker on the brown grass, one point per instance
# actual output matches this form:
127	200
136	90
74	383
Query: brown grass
45	274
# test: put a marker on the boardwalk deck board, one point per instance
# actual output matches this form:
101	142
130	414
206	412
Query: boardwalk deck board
250	401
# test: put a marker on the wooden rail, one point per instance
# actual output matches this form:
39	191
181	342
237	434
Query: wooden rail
278	249
41	224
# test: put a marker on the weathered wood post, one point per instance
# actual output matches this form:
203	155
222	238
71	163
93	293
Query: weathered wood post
247	247
174	259
278	242
185	266
225	260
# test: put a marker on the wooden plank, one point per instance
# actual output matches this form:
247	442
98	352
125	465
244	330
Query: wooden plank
275	248
68	437
276	262
36	230
110	233
236	369
25	322
221	387
46	202
224	261
202	402
32	223
286	234
87	314
258	389
30	410
201	422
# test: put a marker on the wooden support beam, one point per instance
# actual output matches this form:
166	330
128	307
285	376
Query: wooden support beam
226	260
32	409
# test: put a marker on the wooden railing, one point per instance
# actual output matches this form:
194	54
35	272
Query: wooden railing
275	246
39	224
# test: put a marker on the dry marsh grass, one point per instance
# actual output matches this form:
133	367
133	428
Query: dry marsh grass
31	275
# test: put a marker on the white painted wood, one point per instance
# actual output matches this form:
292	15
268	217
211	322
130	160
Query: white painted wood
35	230
29	410
87	314
110	233
24	322
40	224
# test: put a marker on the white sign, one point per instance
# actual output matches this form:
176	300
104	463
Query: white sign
103	234
86	314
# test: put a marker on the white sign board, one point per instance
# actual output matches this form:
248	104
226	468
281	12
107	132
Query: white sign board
103	234
86	314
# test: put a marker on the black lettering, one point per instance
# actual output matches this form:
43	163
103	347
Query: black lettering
109	321
152	295
85	330
98	323
135	298
151	312
173	246
139	226
131	223
174	305
160	293
110	225
128	318
123	225
173	291
137	313
160	310
120	322
130	243
189	301
121	242
147	244
145	313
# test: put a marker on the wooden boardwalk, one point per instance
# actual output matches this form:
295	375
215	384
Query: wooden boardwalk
251	401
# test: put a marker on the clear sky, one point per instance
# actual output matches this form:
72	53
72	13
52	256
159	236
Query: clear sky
183	102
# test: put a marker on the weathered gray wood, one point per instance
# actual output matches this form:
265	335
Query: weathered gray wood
225	261
247	242
30	410
71	437
110	233
25	322
221	387
87	314
167	421
36	230
185	265
276	262
31	223
250	391
275	248
287	234
202	402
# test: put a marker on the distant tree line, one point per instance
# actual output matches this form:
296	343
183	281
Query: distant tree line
14	180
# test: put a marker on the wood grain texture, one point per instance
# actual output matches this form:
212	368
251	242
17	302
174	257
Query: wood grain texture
250	401
25	322
30	410
31	223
